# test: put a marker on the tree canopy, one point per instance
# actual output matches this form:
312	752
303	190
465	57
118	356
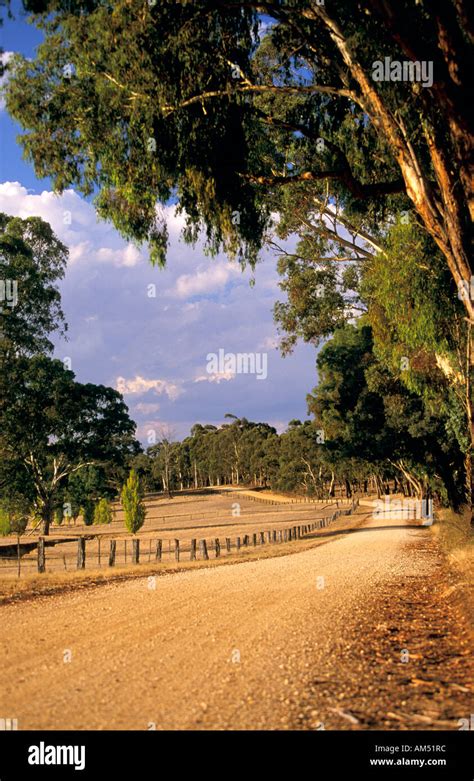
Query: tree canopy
53	426
121	96
32	261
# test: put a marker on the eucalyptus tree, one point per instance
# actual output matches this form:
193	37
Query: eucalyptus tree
53	427
122	95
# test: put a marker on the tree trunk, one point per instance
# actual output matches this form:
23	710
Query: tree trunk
470	422
331	485
46	518
445	215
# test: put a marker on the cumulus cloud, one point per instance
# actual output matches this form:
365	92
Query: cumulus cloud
147	408
128	256
205	280
5	58
139	385
216	377
74	221
270	343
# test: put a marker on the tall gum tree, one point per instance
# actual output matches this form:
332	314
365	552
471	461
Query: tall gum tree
122	96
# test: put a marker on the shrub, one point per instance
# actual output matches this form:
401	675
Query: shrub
88	513
18	524
133	506
13	517
103	512
5	525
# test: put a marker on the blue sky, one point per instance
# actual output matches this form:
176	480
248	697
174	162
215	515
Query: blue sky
151	342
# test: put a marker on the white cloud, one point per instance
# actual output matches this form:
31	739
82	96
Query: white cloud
5	57
74	221
216	377
269	343
140	385
147	408
128	256
205	280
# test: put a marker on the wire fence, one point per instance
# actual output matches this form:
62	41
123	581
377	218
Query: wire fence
91	551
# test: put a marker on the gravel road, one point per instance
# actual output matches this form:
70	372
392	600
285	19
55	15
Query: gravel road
277	643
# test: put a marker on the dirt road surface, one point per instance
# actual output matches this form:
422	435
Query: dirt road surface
317	639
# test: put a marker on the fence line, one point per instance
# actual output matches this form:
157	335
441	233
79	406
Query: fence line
256	539
264	500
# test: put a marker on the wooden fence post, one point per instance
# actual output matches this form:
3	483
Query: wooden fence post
203	549
113	548
262	538
228	544
254	538
81	553
176	550
217	547
192	555
41	556
245	540
237	543
274	535
159	550
135	551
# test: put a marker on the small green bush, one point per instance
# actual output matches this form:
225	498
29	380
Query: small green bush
103	512
133	506
5	525
88	513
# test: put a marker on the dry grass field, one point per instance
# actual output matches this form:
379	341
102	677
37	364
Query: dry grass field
224	514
